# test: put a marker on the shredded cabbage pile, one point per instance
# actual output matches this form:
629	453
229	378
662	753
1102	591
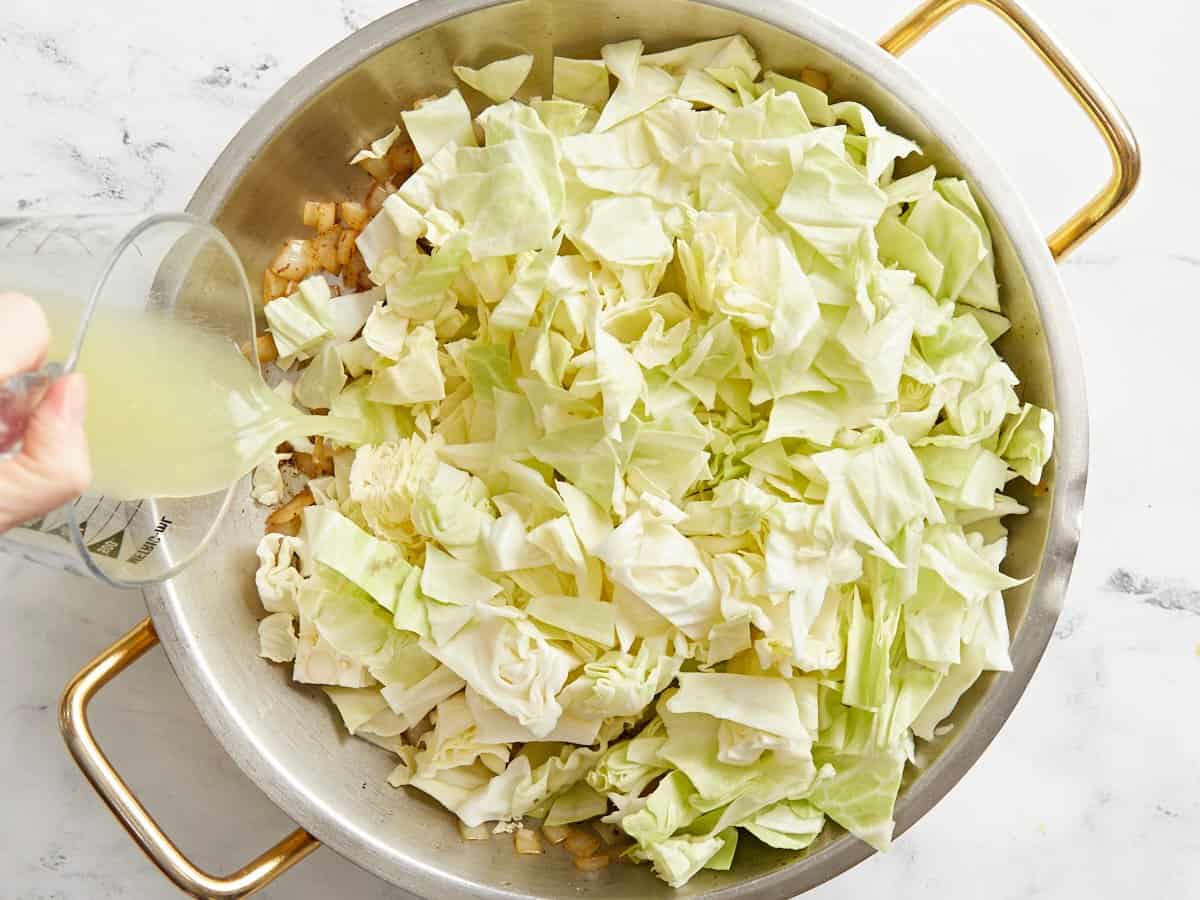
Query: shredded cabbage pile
678	488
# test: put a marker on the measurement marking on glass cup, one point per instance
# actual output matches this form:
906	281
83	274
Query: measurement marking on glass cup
115	508
151	542
83	523
111	545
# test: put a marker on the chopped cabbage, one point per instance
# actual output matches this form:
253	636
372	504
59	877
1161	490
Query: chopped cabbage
295	326
277	638
497	80
379	148
581	80
678	489
438	122
267	481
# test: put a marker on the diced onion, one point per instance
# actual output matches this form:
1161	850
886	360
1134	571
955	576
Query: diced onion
377	194
354	275
295	260
526	841
290	528
581	843
403	159
312	210
315	464
353	215
326	217
326	249
379	169
273	286
323	454
474	832
345	245
555	834
306	464
591	863
267	351
609	833
291	509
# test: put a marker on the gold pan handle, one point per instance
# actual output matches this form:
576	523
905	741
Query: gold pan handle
73	721
1122	145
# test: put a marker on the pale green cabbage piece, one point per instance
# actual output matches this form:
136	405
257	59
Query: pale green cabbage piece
639	87
321	382
581	80
860	793
619	684
376	566
450	580
1026	440
789	824
763	704
674	491
500	79
439	122
349	312
414	701
577	803
590	619
654	562
295	325
379	148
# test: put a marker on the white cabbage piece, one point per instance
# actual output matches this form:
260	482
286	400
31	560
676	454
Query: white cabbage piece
662	568
277	639
266	481
505	658
279	577
317	662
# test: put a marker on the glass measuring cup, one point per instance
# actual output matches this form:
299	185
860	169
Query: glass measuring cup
171	265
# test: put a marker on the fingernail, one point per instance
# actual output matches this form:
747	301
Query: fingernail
75	402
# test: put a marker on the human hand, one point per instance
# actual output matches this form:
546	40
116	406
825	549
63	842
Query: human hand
52	466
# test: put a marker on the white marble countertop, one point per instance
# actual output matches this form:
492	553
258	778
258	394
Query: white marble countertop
1092	790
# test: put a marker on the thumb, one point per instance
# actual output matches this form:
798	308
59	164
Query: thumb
52	467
